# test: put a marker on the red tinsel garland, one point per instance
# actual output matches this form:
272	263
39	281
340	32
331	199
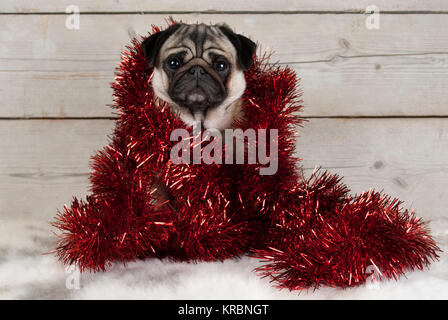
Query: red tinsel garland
307	231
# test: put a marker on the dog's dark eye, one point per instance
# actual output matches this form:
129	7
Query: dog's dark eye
173	63
221	65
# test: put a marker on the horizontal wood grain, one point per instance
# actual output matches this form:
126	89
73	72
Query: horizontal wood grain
346	69
30	6
43	163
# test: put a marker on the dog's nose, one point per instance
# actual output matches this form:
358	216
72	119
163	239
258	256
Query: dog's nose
197	71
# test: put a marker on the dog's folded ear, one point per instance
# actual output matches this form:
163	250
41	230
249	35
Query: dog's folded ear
152	44
245	47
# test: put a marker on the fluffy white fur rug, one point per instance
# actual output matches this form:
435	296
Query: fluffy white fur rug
26	273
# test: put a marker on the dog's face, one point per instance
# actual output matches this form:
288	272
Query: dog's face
199	71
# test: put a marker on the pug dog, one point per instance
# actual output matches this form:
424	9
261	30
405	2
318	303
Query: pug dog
199	71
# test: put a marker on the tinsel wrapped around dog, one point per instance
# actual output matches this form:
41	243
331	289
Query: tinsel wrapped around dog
307	232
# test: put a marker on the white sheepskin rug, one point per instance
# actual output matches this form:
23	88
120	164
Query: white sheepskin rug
27	273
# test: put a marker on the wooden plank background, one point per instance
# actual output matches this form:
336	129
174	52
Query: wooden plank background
169	6
376	99
45	162
399	70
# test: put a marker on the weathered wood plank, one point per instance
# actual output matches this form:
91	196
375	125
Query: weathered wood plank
29	6
43	163
364	86
401	69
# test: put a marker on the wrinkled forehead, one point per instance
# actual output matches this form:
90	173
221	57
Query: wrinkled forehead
198	41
